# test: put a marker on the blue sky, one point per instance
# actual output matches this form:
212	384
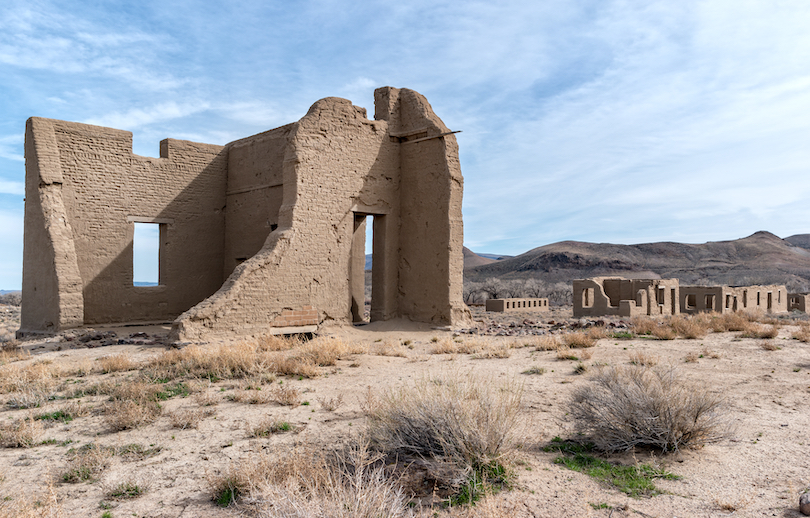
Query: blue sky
607	121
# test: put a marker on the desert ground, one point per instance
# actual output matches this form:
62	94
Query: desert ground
82	435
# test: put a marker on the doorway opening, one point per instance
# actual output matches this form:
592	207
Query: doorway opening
367	268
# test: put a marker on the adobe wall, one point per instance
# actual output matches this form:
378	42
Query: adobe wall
537	304
729	299
605	296
84	190
798	301
339	166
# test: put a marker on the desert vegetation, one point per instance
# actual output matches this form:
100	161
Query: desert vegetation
423	424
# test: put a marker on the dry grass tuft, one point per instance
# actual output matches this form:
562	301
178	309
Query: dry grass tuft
803	334
21	433
86	463
388	348
626	407
664	332
690	328
311	484
495	351
454	424
30	385
760	331
547	343
189	418
738	321
708	353
767	345
642	325
127	414
564	353
117	363
691	357
643	358
32	506
331	404
269	426
579	339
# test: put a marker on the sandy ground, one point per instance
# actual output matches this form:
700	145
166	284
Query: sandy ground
760	471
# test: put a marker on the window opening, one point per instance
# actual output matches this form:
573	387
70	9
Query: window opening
146	255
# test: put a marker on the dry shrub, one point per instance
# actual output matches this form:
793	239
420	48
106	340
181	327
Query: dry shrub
626	407
494	351
448	346
31	506
131	405
455	425
767	345
277	343
21	433
566	353
311	484
388	348
117	363
269	426
331	404
547	343
760	331
86	463
286	395
691	357
238	360
664	332
188	418
10	351
708	353
206	399
324	352
578	339
690	328
642	325
642	358
30	385
739	321
803	334
127	414
295	366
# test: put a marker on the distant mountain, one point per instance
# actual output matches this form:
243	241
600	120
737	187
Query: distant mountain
761	258
801	240
3	292
471	259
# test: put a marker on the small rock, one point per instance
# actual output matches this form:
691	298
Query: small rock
804	503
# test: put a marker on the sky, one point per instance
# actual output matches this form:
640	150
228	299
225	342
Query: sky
604	121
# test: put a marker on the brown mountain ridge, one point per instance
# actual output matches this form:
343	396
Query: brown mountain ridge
761	258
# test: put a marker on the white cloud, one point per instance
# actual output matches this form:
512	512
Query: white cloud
11	187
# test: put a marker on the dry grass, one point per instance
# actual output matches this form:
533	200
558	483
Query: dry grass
86	463
311	484
708	353
269	426
691	357
449	346
767	345
546	343
495	351
29	385
189	418
626	407
664	332
21	433
760	331
454	424
117	363
691	328
803	333
388	348
127	414
580	339
739	321
565	353
331	404
45	505
643	358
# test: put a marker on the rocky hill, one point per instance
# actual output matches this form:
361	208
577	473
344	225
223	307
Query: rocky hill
761	258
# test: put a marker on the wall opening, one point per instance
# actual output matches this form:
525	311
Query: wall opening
146	254
770	300
710	302
587	298
690	301
367	270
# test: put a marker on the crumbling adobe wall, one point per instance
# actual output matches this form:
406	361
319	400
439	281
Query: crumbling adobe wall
603	296
84	190
339	165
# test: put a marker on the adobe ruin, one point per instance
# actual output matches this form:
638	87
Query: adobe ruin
605	296
517	304
264	234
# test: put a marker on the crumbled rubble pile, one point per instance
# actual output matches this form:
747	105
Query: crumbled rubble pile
533	324
90	338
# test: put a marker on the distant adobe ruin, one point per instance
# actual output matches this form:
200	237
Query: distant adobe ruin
603	296
265	233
